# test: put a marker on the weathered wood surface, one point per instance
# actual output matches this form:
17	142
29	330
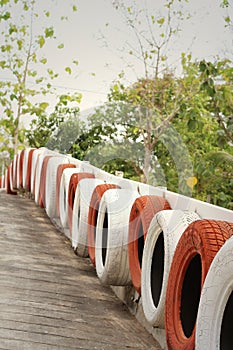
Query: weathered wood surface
49	297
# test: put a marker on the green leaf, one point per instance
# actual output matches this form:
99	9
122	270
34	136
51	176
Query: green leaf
43	60
25	6
13	96
41	41
161	21
4	2
202	66
68	70
43	105
38	81
12	29
192	124
6	48
20	44
2	64
49	32
5	16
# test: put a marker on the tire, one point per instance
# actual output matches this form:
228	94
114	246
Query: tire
50	185
43	180
35	157
39	163
74	181
93	215
81	206
142	212
60	170
19	181
3	181
214	318
29	169
194	253
37	177
8	181
163	235
14	172
12	175
111	249
63	197
27	163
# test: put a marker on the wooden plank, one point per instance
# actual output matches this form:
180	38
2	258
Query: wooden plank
49	297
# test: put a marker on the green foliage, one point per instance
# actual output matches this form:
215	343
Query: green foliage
179	131
24	36
44	129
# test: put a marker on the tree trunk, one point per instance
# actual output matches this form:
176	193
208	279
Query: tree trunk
146	167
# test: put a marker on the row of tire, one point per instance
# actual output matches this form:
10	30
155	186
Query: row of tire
180	265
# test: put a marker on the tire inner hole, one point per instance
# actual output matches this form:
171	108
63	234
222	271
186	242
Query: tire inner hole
226	337
105	237
140	243
190	295
157	269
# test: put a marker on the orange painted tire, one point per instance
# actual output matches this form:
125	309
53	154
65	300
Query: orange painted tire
74	180
41	200
27	184
14	172
58	182
142	212
194	253
8	183
20	169
93	215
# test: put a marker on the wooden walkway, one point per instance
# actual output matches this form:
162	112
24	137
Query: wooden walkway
49	297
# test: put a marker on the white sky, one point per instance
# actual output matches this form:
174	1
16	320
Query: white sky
81	36
82	41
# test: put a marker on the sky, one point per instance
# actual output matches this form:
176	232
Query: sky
204	35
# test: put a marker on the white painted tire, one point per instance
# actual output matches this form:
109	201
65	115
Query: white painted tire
18	169
63	197
50	186
111	249
39	162
37	175
214	319
81	206
163	235
35	156
26	166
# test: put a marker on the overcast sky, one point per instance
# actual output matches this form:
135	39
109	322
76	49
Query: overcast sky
204	35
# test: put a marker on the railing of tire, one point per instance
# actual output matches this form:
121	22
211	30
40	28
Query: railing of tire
169	257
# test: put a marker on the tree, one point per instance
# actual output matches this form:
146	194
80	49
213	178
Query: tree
43	129
155	99
180	157
217	81
22	58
